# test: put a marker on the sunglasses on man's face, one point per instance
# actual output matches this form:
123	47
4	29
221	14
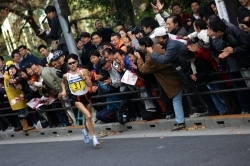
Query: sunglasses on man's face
71	63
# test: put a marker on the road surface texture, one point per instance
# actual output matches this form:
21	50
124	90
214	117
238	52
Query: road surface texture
218	147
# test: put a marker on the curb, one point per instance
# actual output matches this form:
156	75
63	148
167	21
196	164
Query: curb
157	124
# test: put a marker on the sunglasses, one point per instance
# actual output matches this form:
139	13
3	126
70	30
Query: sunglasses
71	63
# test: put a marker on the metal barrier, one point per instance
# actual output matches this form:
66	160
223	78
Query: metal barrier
148	98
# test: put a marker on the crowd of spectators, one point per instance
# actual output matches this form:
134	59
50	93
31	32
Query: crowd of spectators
204	43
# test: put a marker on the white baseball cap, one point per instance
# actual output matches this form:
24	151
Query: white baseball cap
160	31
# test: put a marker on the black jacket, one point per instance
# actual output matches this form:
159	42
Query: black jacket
203	68
240	42
106	34
99	70
85	58
44	62
244	12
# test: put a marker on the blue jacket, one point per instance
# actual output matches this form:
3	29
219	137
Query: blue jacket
30	59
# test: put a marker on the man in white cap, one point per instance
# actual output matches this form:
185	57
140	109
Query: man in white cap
173	50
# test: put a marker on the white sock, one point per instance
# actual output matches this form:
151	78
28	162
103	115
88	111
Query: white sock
94	137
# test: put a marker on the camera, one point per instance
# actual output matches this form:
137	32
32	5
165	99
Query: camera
134	30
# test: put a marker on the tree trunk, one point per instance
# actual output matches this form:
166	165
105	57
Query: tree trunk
125	12
32	23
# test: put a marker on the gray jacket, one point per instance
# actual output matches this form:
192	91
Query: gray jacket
51	79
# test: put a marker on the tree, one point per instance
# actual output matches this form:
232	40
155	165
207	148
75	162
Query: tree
116	10
27	11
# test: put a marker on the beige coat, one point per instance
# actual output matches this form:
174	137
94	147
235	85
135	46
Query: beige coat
165	74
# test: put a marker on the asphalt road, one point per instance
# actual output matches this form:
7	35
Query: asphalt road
228	150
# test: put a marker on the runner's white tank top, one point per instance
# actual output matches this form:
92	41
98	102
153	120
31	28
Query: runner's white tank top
76	84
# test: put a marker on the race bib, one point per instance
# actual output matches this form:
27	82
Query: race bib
77	85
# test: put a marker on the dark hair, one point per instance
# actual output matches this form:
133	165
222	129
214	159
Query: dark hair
14	52
200	24
85	34
149	22
194	1
119	51
120	24
116	34
22	46
94	52
175	4
174	20
73	56
123	29
49	9
206	12
108	51
216	24
78	39
96	33
211	3
145	41
130	50
108	44
1	58
41	46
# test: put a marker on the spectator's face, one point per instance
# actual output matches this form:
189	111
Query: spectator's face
107	66
24	75
132	58
195	7
159	40
122	33
50	15
12	71
214	9
16	58
79	45
213	34
170	25
118	28
96	40
147	30
29	71
23	52
99	25
36	69
118	58
143	48
85	40
94	59
108	57
244	2
176	10
115	40
60	60
44	52
55	64
1	63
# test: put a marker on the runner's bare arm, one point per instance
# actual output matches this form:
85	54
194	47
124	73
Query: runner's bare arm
86	78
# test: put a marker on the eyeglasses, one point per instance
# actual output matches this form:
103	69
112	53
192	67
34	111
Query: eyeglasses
71	63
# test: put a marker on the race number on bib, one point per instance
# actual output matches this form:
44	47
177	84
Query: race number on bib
77	85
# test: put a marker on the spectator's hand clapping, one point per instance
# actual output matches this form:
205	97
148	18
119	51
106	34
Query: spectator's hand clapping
159	5
107	81
137	55
226	52
246	19
149	50
244	27
193	77
94	88
155	8
30	82
133	65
